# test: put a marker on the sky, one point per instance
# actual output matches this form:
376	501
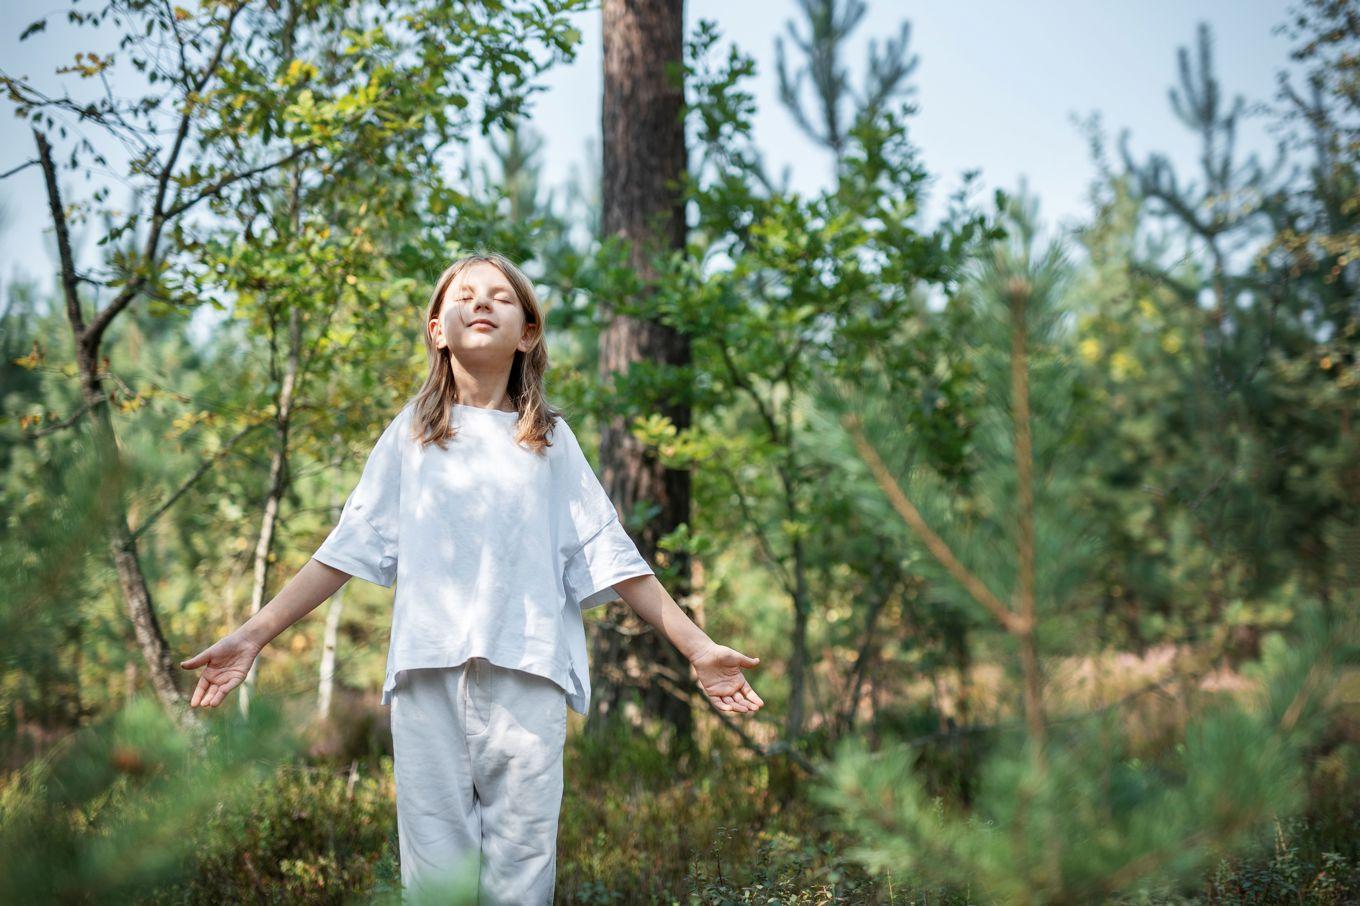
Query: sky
997	84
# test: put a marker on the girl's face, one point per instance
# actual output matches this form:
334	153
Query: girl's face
480	317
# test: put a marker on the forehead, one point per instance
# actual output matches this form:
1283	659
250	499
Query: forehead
481	275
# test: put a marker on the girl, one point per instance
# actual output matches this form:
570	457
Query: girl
478	502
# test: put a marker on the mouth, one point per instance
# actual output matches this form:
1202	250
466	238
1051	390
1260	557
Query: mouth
481	321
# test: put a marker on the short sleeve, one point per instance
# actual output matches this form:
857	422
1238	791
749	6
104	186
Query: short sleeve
364	541
596	550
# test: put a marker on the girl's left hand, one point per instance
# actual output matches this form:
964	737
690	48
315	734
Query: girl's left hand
719	671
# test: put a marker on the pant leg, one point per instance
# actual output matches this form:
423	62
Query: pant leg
439	831
517	725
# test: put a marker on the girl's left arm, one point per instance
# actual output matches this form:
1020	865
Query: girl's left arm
717	667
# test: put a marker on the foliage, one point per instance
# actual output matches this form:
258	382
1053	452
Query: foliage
1194	475
1070	812
120	808
773	289
1101	817
309	833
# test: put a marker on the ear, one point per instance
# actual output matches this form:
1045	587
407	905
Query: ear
526	341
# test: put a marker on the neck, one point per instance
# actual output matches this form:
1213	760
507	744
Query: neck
484	389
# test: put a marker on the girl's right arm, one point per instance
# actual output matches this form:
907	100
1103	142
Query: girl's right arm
363	543
227	661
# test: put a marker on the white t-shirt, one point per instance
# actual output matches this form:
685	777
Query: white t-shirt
495	549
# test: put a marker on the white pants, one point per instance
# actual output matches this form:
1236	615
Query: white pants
477	753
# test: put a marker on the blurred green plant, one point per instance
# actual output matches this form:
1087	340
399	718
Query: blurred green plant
126	806
1118	819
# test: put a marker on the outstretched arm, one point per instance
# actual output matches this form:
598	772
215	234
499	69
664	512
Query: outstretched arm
226	663
717	666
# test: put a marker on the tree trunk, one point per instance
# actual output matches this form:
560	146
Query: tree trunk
644	158
278	485
798	656
161	666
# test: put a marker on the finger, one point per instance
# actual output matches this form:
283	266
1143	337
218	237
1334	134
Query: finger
752	695
748	660
735	703
219	693
742	703
198	692
197	660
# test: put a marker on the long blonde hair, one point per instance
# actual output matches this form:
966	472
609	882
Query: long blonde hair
431	421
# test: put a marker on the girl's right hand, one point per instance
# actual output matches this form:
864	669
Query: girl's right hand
225	665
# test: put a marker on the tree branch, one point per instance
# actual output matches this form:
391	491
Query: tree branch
198	473
68	267
59	426
94	334
934	543
766	548
10	172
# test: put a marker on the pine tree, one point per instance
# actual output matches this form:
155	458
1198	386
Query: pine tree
1070	807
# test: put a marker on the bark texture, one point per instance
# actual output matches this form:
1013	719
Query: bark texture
644	159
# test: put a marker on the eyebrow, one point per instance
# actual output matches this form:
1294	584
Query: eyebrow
499	287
